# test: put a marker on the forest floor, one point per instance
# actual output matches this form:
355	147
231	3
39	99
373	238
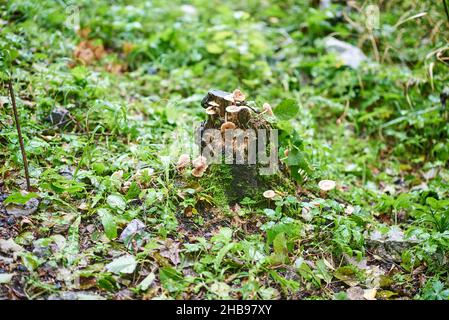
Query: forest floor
105	111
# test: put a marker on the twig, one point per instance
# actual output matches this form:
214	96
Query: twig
19	133
446	10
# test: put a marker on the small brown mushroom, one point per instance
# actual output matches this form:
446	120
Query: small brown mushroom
238	96
269	194
200	166
233	109
232	113
211	111
198	172
227	126
267	109
213	104
183	161
326	185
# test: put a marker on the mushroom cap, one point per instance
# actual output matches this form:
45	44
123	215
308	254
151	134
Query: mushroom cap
183	161
227	125
326	185
200	166
200	163
213	104
267	108
238	96
211	110
232	109
269	194
198	172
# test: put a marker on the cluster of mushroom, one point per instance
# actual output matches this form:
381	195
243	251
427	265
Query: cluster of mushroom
199	164
237	98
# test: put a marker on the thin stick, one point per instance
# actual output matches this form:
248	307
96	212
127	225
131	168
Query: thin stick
19	133
445	9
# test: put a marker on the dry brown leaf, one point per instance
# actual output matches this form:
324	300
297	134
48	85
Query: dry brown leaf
170	250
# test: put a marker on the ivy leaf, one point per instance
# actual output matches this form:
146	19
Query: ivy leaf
286	110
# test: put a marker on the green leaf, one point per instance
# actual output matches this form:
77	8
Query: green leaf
347	274
221	254
116	201
169	273
133	191
30	261
292	230
286	285
107	282
280	247
108	222
19	198
72	248
214	48
123	264
171	279
286	110
322	271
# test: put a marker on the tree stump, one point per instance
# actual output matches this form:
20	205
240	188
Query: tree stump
226	111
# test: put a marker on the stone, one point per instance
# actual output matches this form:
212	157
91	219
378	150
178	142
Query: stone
60	117
350	55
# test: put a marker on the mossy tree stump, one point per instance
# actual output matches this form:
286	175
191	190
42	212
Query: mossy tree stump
230	111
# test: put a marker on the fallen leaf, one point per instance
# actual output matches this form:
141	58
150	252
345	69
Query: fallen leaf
123	264
170	250
355	293
134	227
9	245
146	283
6	278
370	294
221	289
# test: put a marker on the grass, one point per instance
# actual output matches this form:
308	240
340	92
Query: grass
132	79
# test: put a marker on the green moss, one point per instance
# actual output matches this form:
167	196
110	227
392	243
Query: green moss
218	181
231	183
